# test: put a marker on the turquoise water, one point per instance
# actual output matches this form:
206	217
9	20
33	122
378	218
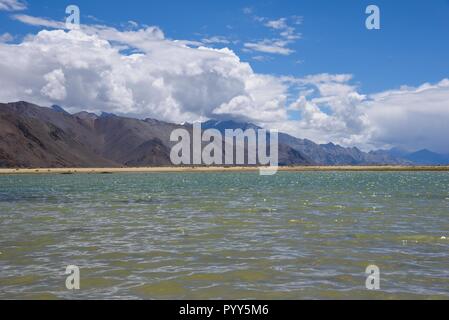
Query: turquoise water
225	235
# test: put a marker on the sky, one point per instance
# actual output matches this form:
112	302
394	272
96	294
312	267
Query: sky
310	68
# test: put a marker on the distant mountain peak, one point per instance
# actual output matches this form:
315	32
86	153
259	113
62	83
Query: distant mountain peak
86	115
152	121
107	115
222	125
424	151
330	144
59	109
427	157
398	152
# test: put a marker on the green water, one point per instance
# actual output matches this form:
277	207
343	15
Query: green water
225	235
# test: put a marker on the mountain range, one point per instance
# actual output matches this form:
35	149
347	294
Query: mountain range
32	136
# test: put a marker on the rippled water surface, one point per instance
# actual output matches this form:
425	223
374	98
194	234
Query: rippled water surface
225	235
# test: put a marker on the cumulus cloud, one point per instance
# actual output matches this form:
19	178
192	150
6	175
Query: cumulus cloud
414	118
333	110
329	109
93	69
12	5
55	87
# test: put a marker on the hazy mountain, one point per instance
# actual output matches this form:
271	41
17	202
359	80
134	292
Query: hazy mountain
398	152
287	154
58	109
229	124
328	154
426	157
422	157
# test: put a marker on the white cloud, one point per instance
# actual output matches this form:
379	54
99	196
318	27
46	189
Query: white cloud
12	5
270	46
167	79
6	37
38	21
133	24
278	45
277	24
326	78
411	117
248	10
216	40
55	87
297	20
332	110
262	58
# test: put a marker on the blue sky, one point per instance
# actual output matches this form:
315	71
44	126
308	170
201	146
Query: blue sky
309	68
412	46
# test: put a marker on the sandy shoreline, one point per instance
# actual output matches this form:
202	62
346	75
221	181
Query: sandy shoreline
215	169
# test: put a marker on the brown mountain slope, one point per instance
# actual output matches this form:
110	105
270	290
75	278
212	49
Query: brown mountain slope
33	136
135	142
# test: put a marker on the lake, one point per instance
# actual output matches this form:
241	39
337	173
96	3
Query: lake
307	235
